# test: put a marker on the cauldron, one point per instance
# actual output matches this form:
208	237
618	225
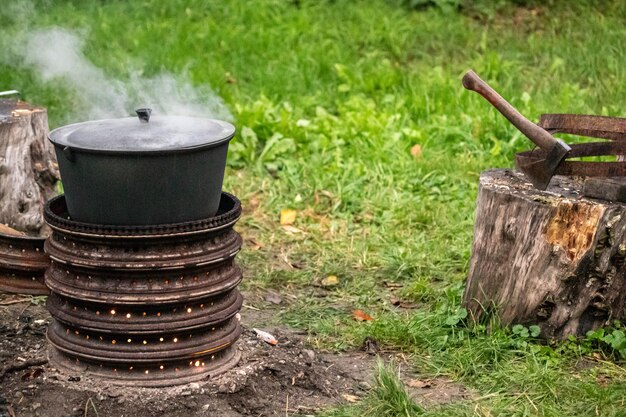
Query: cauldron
142	171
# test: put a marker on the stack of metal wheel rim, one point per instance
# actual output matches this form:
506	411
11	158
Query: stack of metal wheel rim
144	305
22	264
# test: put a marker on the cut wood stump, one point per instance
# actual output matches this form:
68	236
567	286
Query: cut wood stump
28	168
551	258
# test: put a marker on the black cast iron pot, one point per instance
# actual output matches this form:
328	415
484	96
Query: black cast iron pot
142	171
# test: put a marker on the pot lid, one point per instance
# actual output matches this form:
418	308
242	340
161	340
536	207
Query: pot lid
143	134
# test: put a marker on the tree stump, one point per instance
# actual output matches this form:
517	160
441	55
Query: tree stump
28	168
551	258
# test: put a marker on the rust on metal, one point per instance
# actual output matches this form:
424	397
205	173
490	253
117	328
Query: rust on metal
150	306
582	168
56	215
585	125
611	128
22	264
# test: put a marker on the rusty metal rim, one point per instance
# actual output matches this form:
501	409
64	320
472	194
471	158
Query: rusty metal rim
144	301
24	262
160	297
184	317
604	127
197	345
63	255
230	211
199	317
24	285
227	359
153	266
583	168
26	239
152	236
24	253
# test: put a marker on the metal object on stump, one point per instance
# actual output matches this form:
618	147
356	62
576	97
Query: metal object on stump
555	157
541	170
144	305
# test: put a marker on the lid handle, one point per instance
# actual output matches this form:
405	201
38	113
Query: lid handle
144	114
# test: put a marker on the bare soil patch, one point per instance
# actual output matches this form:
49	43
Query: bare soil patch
288	379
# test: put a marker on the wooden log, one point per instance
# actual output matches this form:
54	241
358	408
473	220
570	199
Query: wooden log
551	258
28	168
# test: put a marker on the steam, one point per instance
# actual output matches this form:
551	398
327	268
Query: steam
20	12
56	55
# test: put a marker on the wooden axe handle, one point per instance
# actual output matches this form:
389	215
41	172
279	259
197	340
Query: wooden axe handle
538	135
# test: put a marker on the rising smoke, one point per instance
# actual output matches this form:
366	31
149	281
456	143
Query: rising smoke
56	55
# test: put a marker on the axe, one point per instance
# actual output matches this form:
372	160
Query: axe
539	170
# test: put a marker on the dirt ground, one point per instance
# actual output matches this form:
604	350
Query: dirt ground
290	379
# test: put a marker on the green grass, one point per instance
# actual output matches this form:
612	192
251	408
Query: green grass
329	97
387	398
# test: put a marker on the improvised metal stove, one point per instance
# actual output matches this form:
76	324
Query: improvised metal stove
144	305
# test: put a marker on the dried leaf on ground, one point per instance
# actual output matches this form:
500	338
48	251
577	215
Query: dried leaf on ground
32	374
323	193
416	151
266	337
292	229
416	383
287	217
396	302
253	244
330	281
350	398
230	79
360	315
274	298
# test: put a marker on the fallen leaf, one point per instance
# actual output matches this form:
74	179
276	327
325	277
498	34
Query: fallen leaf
360	315
254	245
266	337
330	281
392	284
350	398
32	374
291	229
416	151
396	302
230	79
274	298
416	383
287	217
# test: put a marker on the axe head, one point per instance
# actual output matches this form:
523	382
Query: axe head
540	171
